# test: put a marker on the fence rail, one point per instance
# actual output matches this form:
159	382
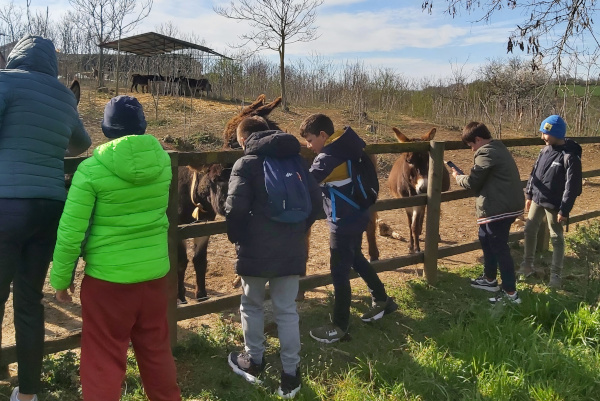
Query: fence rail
429	257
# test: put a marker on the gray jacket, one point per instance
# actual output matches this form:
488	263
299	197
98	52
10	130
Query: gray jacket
496	181
38	122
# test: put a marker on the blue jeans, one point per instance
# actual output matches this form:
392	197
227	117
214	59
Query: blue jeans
27	238
346	253
496	252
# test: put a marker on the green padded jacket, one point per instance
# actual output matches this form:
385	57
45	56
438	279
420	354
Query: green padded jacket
115	214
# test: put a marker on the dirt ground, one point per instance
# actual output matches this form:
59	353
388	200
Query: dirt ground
205	119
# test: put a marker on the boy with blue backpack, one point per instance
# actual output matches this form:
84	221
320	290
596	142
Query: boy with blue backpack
349	184
271	203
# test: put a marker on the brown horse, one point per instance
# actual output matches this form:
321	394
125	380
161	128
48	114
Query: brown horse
205	188
408	177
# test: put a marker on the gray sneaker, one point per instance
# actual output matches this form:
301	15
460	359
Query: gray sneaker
555	281
505	298
379	310
525	271
329	333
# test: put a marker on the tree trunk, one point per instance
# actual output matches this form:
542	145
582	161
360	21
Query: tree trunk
282	77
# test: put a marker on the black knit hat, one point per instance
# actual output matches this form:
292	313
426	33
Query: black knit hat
123	115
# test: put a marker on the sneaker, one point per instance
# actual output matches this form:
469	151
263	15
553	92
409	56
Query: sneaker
243	365
13	396
525	271
555	281
505	297
379	310
290	385
483	283
181	301
329	334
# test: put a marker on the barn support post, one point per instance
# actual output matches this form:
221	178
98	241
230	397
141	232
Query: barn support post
434	201
172	214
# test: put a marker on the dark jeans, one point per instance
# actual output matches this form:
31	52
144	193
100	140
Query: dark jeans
27	238
496	253
346	253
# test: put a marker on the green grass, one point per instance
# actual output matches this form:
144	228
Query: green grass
444	343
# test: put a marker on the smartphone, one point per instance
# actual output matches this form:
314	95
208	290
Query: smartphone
455	167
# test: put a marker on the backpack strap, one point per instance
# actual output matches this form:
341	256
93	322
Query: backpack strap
332	194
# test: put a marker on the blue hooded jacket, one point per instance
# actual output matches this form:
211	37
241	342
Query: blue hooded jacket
330	169
38	122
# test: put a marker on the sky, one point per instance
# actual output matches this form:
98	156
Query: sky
391	34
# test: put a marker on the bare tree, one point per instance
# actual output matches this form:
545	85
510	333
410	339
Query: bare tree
107	19
275	23
567	26
11	21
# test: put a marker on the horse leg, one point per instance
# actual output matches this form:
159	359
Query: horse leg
182	262
372	237
200	261
409	215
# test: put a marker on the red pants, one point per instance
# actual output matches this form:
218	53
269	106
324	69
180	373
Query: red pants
113	314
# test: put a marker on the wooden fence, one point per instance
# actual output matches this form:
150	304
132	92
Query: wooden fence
429	257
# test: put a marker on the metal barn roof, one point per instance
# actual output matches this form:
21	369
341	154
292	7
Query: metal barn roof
152	43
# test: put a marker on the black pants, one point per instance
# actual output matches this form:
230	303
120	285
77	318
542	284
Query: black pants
27	238
346	253
496	252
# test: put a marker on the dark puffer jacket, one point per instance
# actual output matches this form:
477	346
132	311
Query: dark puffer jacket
38	122
555	181
265	248
330	169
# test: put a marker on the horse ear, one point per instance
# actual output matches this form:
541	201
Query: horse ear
429	136
400	136
76	89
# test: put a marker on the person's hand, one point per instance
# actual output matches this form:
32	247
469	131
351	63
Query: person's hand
454	173
64	296
527	205
560	218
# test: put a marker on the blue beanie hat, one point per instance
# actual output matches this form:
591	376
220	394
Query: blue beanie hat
555	126
123	115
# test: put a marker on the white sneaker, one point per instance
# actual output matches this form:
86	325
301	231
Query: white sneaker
505	298
13	396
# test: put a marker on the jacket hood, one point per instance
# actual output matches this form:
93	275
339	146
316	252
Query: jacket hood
272	143
570	146
138	159
344	144
33	53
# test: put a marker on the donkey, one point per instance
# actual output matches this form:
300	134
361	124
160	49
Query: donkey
143	81
408	177
202	195
205	188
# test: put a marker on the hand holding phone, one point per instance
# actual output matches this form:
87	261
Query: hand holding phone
455	167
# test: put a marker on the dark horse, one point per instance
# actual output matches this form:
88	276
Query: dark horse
408	177
205	188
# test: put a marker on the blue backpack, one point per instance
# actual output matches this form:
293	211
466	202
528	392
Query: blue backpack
287	189
365	185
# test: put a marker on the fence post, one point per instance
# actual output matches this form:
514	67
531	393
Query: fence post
172	214
434	200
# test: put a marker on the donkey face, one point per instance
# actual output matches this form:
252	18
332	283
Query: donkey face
414	165
257	108
217	180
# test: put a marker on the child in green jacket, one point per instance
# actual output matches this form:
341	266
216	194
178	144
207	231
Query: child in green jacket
119	198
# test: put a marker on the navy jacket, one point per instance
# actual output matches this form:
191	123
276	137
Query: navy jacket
555	180
265	248
330	169
38	122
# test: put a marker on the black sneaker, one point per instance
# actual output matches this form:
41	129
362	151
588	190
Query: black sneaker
483	283
379	310
290	385
243	365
